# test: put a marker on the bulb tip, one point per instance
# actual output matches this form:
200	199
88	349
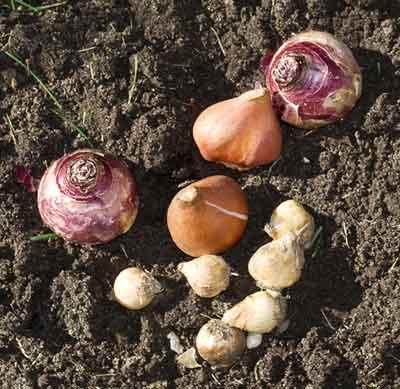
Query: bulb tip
288	70
255	94
189	194
181	266
269	230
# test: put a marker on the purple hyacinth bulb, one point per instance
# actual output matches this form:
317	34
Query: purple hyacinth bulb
314	79
88	197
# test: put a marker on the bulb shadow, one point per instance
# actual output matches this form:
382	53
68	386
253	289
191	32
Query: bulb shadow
328	289
114	323
262	199
302	148
300	156
378	76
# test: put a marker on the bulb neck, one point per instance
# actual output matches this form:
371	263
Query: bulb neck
288	70
189	195
257	94
84	173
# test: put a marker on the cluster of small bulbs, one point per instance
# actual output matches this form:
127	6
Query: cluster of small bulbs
275	266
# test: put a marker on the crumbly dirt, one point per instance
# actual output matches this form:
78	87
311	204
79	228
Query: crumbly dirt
60	328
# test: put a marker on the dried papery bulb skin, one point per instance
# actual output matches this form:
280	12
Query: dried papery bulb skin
278	264
208	216
88	197
291	217
188	359
219	344
208	275
314	79
259	312
135	289
242	132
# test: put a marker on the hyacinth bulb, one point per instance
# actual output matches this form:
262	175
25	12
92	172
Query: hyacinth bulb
88	197
314	79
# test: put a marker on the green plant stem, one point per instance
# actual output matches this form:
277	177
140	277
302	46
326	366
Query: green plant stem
76	128
38	8
42	237
26	5
45	88
49	6
49	93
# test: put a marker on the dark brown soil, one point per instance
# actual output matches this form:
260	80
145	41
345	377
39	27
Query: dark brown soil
60	328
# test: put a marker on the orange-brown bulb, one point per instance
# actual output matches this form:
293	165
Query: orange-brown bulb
208	216
242	132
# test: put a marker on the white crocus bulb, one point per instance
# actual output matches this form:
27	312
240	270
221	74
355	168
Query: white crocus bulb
135	289
219	344
259	312
278	264
208	275
291	216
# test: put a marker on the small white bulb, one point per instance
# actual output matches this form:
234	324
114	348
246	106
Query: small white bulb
259	312
278	264
219	344
208	275
135	289
291	216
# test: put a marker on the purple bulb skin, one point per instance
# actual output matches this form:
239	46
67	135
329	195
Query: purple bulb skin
88	197
314	79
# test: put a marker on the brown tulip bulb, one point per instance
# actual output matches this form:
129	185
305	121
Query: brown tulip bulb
242	132
208	216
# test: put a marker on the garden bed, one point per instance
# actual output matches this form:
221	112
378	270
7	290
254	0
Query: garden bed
134	75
